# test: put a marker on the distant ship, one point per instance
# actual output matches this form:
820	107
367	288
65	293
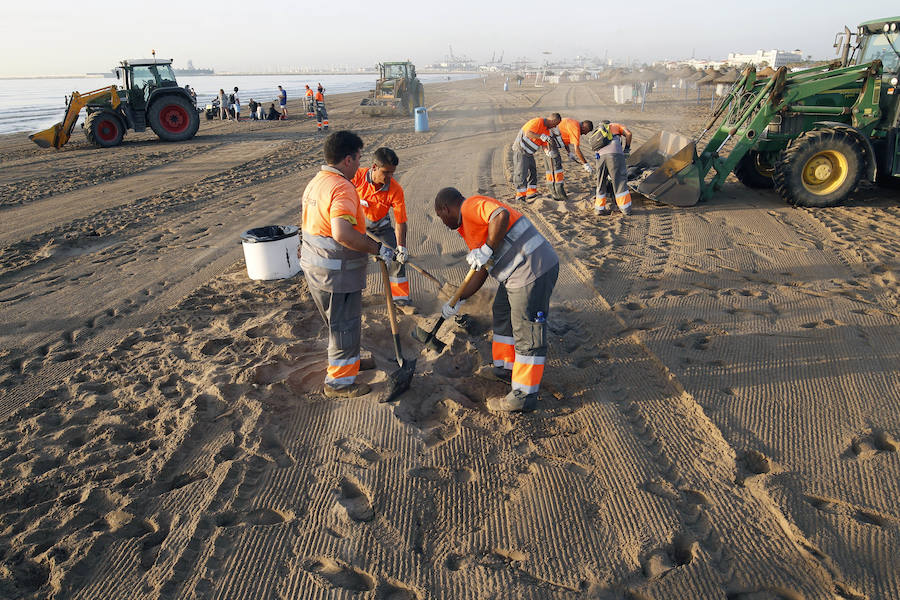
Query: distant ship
190	71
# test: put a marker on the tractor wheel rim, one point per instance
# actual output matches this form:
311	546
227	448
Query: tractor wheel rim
173	118
825	172
107	130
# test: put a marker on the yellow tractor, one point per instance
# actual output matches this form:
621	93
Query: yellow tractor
150	96
397	92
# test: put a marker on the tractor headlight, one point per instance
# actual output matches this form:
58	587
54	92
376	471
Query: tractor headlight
893	27
894	81
886	28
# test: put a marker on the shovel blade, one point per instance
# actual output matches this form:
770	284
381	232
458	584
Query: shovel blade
675	178
48	137
399	381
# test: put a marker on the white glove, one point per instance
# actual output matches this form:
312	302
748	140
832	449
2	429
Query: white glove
587	167
448	312
545	137
402	254
572	156
479	257
386	254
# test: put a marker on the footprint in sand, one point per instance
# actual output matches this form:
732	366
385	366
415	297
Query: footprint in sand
871	443
354	501
341	575
394	590
680	552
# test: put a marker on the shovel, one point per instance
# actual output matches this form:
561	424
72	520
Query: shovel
398	381
437	281
428	337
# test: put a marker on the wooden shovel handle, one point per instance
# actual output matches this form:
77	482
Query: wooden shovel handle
387	296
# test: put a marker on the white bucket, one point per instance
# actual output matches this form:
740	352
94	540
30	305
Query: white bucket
271	252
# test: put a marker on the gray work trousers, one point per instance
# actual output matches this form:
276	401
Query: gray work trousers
396	271
516	320
524	174
343	315
611	175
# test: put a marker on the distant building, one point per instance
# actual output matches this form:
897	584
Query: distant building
774	58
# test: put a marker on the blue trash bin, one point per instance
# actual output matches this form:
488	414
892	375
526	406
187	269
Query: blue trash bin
421	119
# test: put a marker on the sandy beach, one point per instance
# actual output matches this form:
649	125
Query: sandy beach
719	415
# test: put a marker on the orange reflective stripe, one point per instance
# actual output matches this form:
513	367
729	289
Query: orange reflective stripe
549	177
600	201
503	351
341	371
527	373
624	200
400	288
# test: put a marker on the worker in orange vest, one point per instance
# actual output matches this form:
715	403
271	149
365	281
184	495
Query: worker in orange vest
611	153
379	192
321	113
334	256
310	103
504	244
567	139
533	135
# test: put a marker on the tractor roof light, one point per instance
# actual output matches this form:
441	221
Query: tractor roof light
893	27
887	27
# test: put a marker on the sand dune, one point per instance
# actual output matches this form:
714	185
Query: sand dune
719	416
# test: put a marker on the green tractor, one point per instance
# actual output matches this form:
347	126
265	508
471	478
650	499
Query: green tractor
812	135
397	92
149	96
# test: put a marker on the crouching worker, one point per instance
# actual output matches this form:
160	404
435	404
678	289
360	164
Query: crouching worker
507	246
380	193
334	256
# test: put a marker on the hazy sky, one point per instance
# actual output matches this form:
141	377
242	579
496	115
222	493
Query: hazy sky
51	37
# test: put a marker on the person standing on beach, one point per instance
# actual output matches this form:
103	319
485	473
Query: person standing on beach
282	102
334	256
252	106
237	105
611	154
533	135
310	103
223	105
504	244
321	113
379	192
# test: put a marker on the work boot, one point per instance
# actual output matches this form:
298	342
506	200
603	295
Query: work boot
493	373
561	193
512	403
354	390
602	212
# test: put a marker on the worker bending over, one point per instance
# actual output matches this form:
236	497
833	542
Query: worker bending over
334	255
533	135
321	113
507	246
379	192
570	132
611	154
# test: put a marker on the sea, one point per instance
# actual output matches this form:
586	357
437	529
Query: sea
29	105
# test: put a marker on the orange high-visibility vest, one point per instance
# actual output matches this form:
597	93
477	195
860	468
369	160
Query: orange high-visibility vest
379	200
536	126
570	131
328	196
476	215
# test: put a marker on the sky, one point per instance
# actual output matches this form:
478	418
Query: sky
55	37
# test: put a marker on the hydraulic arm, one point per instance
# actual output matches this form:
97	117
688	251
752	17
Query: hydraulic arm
60	133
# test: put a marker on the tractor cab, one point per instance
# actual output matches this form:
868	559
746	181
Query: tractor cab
142	77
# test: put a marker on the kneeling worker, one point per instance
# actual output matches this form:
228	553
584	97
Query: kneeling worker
379	192
334	256
505	244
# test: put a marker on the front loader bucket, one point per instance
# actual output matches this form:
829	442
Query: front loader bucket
382	110
675	178
48	137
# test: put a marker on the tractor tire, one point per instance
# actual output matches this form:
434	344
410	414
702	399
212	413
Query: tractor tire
104	129
173	118
819	168
754	172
